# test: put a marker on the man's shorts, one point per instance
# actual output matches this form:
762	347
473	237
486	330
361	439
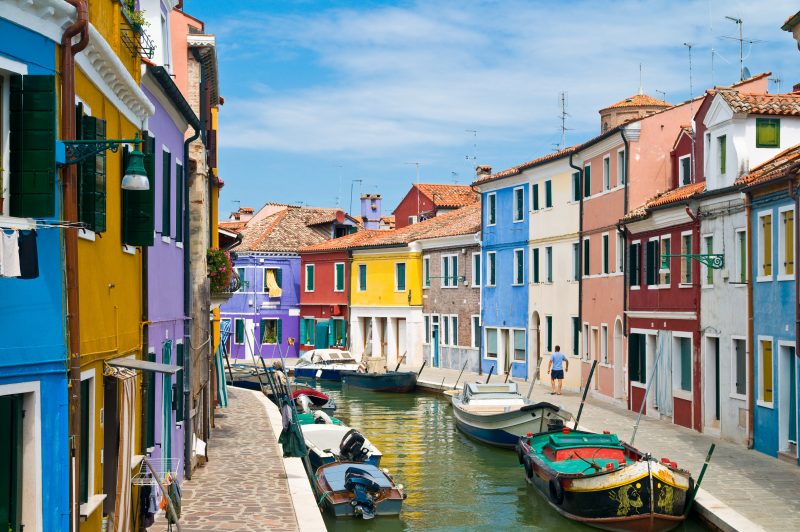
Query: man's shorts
557	374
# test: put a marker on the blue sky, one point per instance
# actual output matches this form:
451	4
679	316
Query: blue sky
318	94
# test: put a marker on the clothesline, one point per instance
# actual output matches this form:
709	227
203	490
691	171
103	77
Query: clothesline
16	225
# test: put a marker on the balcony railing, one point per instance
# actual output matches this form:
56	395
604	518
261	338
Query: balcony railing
133	35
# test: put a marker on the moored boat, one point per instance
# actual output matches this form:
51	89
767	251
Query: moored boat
328	442
498	415
348	489
324	364
598	480
390	381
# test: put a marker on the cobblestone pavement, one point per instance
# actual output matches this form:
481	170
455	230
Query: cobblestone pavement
243	486
759	487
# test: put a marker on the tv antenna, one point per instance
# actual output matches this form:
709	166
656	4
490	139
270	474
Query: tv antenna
353	182
415	163
474	157
691	108
562	96
339	190
777	81
742	40
662	93
454	175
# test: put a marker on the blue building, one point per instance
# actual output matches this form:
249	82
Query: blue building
504	254
34	453
773	271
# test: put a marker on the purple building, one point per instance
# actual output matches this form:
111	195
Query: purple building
265	312
164	306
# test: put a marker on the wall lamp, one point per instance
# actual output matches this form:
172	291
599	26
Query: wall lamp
135	177
715	261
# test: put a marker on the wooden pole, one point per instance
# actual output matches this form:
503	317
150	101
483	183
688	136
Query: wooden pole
699	479
489	376
585	392
459	375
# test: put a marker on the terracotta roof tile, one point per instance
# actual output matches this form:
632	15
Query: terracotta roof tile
786	162
669	197
288	230
638	100
791	22
233	225
762	104
449	196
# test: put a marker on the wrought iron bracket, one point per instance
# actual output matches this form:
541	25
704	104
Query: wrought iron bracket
78	151
715	261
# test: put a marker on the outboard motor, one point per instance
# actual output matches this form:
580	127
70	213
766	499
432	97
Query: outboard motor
364	488
352	449
303	404
555	423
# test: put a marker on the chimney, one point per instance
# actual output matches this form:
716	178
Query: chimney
482	172
371	211
796	86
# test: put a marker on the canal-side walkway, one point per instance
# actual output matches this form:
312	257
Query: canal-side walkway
742	489
244	484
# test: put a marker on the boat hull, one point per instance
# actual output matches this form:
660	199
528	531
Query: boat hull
503	429
334	496
391	381
318	373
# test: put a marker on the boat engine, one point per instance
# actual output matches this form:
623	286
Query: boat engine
555	423
303	404
352	449
364	488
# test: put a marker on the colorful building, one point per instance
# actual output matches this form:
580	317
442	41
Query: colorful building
426	201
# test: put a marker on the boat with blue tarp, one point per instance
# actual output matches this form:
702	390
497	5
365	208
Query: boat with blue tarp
324	364
390	381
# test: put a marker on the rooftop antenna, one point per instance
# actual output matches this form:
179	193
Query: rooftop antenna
352	182
777	81
742	70
641	87
662	93
339	190
454	175
691	110
415	163
474	146
238	204
563	97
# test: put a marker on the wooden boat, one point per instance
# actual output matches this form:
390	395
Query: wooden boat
325	364
598	480
348	489
316	397
391	381
329	442
498	415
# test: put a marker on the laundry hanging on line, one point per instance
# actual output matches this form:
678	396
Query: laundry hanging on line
19	255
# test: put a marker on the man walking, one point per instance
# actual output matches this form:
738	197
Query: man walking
556	367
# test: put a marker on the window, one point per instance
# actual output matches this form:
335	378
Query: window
740	367
476	269
412	220
619	249
426	272
238	332
453	330
492	273
686	262
620	167
309	277
604	343
722	153
741	255
85	484
585	256
548	194
308	328
166	192
606	173
635	269
491	210
587	181
271	331
519	346
708	243
768	133
637	358
178	202
400	276
476	330
339	330
576	261
445	330
535	196
362	277
535	264
548	323
684	170
450	271
576	186
273	282
519	204
605	253
683	361
548	264
664	277
576	336
491	343
91	174
586	341
786	249
651	262
765	245
427	320
242	282
519	267
765	371
338	277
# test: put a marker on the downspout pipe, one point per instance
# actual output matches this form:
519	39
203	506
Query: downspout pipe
625	174
750	342
69	213
580	245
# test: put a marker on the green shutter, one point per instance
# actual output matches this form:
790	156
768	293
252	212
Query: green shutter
768	132
576	331
239	332
633	358
536	265
166	184
11	472
548	193
493	269
605	253
279	277
150	406
686	364
586	257
331	333
722	141
310	277
303	332
178	202
549	321
650	263
279	334
339	276
520	195
32	146
400	270
576	186
179	413
587	181
138	206
362	277
535	193
92	176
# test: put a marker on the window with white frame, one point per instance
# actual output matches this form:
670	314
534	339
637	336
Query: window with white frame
635	264
620	251
454	330
519	204
400	277
238	331
362	277
576	261
244	284
519	346
491	268
586	261
606	259
606	173
548	264
686	262
476	269
338	277
604	343
739	365
86	487
426	272
427	319
445	330
665	248
765	244
475	321
412	220
741	256
535	197
722	154
682	363
548	193
449	271
491	343
765	365
786	251
620	167
684	170
519	267
586	341
309	277
708	244
491	208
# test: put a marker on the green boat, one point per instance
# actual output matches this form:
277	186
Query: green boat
317	417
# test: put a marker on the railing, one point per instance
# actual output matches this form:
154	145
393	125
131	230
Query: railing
133	35
234	285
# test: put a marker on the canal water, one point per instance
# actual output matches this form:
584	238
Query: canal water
453	482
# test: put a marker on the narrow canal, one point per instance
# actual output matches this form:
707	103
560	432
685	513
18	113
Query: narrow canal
453	482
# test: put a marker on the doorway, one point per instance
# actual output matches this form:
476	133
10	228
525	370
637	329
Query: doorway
535	347
321	335
435	341
619	364
712	378
110	442
11	462
249	337
596	355
787	401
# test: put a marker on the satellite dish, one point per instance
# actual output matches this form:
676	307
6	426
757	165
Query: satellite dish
746	73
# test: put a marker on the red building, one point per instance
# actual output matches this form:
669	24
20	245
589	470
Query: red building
324	289
425	201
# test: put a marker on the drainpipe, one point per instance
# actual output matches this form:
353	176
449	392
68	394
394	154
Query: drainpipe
750	342
626	173
580	246
697	423
70	214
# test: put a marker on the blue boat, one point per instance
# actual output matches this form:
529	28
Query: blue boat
324	364
391	381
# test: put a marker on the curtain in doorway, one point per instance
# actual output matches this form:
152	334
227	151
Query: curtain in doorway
272	283
122	510
663	381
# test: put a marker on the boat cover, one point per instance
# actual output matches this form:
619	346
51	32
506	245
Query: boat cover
575	440
474	388
334	474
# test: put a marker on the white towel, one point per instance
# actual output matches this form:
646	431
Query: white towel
9	254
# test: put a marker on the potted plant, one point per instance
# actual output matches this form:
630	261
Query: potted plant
220	271
135	16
